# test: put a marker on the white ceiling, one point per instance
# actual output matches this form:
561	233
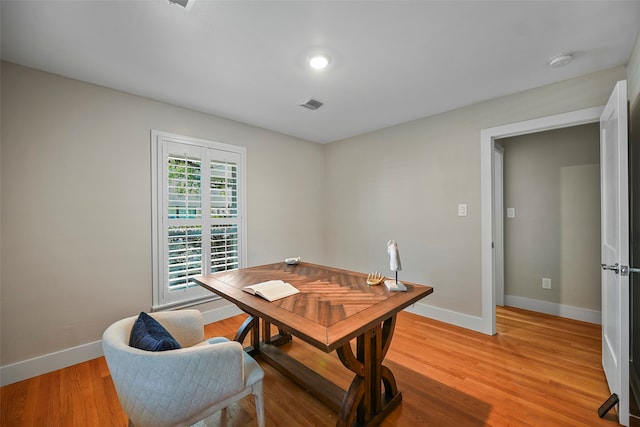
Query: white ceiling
391	61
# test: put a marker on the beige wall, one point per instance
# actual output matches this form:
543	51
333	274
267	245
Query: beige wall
405	183
552	179
633	73
76	197
76	220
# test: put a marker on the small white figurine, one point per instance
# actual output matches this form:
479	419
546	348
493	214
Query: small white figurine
395	265
394	256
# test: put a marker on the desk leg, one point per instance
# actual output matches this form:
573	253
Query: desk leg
245	328
279	339
251	324
364	401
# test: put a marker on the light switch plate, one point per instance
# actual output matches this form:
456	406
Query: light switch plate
462	209
511	212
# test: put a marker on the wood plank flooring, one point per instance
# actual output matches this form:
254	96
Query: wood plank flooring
538	370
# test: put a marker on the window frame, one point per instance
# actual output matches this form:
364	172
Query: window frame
163	297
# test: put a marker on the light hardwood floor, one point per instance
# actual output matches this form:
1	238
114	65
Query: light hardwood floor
538	370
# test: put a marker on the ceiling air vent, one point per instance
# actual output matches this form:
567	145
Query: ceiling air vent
310	103
187	4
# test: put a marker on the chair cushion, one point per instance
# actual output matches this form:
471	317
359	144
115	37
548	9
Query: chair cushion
147	334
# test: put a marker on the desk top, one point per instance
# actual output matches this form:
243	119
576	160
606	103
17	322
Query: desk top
333	306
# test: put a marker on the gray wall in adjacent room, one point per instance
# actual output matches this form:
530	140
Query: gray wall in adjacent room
552	180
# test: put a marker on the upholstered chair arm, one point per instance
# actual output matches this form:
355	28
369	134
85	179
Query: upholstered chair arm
151	385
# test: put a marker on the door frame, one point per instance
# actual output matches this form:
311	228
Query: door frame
498	221
487	206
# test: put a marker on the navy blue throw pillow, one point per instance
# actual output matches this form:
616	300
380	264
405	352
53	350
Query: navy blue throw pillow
147	334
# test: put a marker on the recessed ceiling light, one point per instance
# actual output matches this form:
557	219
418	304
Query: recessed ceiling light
560	60
319	62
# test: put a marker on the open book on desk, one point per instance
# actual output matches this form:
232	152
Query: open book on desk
271	290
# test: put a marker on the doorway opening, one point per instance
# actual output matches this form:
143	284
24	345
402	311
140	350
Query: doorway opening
551	222
488	198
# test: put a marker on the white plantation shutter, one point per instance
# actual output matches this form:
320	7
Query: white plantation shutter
198	215
184	255
183	186
224	215
224	248
224	189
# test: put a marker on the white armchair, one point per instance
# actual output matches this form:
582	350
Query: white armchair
180	387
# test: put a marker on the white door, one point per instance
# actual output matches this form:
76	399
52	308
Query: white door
615	247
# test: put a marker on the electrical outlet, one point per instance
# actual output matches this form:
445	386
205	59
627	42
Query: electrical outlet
546	283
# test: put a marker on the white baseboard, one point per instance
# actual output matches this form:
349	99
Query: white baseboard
220	313
568	311
30	368
447	316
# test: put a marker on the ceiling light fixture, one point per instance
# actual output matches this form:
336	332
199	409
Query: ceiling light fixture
560	60
319	62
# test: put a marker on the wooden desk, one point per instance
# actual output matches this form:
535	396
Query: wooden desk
333	307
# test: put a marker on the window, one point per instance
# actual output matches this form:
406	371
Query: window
197	215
